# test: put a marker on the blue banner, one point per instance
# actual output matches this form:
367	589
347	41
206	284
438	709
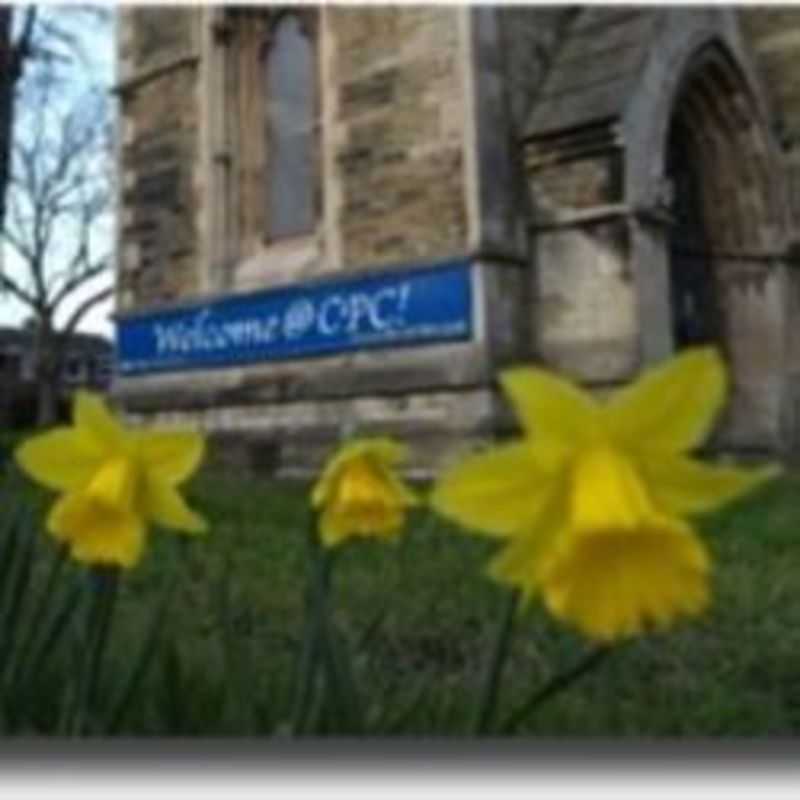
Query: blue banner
400	308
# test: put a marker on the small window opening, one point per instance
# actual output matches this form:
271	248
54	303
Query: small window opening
290	138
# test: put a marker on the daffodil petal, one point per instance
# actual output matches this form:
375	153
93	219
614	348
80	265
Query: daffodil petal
499	492
170	456
680	485
549	406
520	562
321	492
670	408
93	418
334	528
404	494
165	506
59	459
96	534
386	450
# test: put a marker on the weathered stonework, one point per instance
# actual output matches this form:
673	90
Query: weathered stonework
159	149
298	434
530	42
775	41
532	141
398	141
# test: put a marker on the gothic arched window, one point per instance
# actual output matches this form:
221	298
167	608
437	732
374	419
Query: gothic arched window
289	64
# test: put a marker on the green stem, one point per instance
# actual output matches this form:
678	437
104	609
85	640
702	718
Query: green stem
105	583
487	704
144	659
339	683
558	684
321	560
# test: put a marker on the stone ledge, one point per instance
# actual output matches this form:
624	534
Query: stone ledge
395	373
296	438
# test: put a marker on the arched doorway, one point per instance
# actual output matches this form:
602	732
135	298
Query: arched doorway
723	286
665	152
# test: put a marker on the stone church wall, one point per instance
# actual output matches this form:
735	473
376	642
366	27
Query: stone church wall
530	42
501	135
395	141
773	34
587	321
158	60
395	80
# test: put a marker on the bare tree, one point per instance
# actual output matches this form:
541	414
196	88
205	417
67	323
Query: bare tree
58	210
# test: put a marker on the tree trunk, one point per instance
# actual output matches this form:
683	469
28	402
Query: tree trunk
46	401
8	79
12	59
47	370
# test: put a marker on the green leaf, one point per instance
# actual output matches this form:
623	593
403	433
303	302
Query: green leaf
142	663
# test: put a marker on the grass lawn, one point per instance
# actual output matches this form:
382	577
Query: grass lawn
420	616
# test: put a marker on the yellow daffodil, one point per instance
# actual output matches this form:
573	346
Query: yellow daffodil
359	494
591	500
114	482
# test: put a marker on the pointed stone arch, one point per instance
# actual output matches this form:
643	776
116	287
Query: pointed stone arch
614	116
708	88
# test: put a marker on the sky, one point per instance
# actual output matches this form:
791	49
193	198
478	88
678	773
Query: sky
96	65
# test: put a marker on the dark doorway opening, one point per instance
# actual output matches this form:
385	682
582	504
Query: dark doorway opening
693	296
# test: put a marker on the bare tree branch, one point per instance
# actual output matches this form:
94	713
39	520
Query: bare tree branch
79	280
22	49
12	287
86	305
16	228
57	199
